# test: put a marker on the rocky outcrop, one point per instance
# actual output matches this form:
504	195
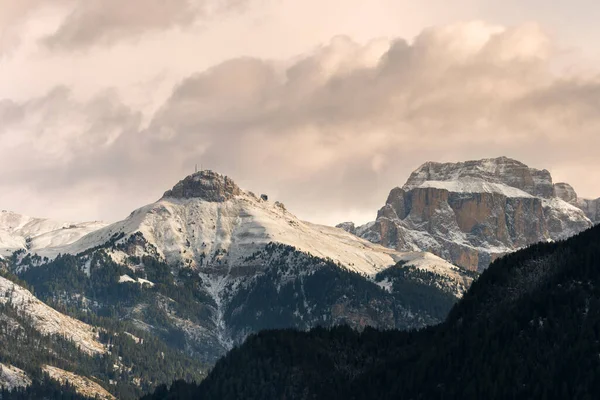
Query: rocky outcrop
565	192
473	212
591	208
207	185
348	227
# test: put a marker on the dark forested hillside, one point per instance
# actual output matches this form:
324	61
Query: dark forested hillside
529	328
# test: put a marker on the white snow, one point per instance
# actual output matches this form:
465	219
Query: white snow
127	278
476	185
12	377
568	210
385	284
49	321
22	232
439	266
87	268
183	230
143	282
215	286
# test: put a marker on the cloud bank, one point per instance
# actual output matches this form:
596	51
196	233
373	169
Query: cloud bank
328	132
88	23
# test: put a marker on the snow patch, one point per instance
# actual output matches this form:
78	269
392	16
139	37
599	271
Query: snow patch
22	232
475	185
13	377
127	278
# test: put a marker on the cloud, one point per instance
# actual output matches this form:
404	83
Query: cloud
57	153
328	132
341	121
108	21
84	23
14	15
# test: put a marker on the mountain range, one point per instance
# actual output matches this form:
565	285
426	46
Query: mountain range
207	265
193	274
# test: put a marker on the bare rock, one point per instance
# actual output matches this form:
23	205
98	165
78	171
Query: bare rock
473	212
207	185
591	208
348	227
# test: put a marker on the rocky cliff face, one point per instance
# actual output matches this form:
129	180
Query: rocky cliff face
206	185
473	212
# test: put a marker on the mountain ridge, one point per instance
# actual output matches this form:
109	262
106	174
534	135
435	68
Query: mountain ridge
472	212
207	215
21	232
209	263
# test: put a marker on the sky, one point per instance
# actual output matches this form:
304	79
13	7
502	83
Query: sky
325	105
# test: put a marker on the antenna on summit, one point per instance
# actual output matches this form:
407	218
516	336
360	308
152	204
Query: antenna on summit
196	169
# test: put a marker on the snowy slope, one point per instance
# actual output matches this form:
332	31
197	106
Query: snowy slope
12	377
82	385
22	232
188	230
49	321
432	263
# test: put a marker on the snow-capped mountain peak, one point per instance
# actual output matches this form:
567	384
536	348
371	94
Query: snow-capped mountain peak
206	219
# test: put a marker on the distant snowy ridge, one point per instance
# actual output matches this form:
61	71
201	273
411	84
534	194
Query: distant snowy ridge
22	232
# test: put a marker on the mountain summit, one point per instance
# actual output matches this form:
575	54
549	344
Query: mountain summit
472	212
206	185
207	218
493	174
